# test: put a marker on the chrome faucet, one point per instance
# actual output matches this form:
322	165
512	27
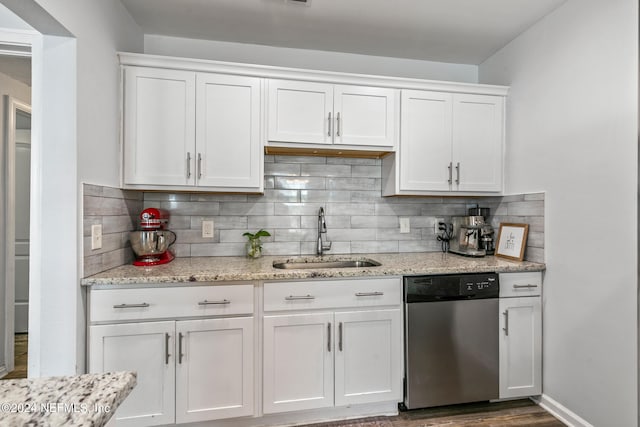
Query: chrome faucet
322	228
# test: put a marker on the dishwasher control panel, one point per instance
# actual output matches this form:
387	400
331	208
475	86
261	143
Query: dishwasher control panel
451	287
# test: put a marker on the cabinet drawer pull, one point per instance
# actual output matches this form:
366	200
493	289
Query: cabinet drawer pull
141	305
338	124
199	165
166	348
506	322
458	173
524	286
180	354
188	165
296	297
329	126
369	294
223	302
340	336
329	337
450	173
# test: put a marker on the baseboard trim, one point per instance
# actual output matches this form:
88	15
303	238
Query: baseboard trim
561	412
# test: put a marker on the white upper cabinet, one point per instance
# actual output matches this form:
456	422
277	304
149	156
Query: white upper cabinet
188	130
159	126
450	143
357	117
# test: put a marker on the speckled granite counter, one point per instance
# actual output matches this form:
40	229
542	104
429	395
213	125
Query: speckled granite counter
82	400
224	269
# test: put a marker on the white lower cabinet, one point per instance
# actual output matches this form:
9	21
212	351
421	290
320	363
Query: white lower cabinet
332	357
520	337
187	370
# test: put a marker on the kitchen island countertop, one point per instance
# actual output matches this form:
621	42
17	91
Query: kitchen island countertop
226	269
80	400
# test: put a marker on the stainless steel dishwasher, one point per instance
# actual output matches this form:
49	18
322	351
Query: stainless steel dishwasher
451	339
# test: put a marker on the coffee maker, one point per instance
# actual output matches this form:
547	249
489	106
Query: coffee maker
472	236
151	244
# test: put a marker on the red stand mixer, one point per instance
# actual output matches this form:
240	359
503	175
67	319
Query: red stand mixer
151	244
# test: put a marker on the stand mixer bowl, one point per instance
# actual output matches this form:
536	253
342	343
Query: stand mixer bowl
151	242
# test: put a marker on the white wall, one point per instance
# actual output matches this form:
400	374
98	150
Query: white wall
311	59
572	132
76	107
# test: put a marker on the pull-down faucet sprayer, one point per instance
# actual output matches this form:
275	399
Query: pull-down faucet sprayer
322	228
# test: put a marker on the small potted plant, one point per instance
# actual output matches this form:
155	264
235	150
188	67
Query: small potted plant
254	244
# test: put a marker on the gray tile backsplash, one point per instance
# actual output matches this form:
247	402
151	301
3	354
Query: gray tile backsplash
358	219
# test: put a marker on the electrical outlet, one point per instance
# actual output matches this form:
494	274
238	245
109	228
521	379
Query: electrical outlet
405	225
96	236
436	224
207	229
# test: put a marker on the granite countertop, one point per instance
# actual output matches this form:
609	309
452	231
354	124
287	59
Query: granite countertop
81	400
224	269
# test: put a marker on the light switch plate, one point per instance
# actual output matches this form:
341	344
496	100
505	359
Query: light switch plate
207	229
405	225
96	236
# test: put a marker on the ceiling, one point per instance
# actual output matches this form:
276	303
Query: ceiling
456	31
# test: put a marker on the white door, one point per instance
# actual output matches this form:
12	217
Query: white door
228	131
298	362
23	183
365	116
300	112
477	142
425	141
159	126
214	372
147	349
520	347
368	364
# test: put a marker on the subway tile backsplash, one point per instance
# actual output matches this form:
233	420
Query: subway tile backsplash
358	219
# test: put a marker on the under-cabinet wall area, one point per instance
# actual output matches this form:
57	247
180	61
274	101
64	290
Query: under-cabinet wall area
359	219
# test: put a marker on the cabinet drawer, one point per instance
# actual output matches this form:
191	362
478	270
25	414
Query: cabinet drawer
332	294
154	303
520	284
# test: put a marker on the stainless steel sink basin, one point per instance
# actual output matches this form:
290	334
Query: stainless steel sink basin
319	263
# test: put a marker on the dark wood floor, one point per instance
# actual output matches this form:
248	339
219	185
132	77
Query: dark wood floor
501	414
21	347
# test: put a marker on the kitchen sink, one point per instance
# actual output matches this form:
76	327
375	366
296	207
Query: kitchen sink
319	263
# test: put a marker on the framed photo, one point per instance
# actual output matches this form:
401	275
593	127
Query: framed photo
512	239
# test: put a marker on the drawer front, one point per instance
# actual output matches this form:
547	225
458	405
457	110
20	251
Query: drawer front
324	294
155	303
520	284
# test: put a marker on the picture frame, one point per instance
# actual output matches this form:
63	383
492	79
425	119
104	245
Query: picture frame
512	239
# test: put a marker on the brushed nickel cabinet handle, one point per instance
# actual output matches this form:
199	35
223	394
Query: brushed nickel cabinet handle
340	336
166	348
524	286
450	173
188	165
458	173
141	305
329	126
369	294
199	165
329	337
223	302
506	322
296	297
180	353
338	124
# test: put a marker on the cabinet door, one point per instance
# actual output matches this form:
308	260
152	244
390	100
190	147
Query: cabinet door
298	362
365	116
477	142
300	112
146	348
159	126
228	131
425	142
520	347
214	373
368	357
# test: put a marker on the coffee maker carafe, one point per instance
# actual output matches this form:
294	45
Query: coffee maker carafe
472	236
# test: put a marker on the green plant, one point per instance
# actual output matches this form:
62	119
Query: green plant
254	245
